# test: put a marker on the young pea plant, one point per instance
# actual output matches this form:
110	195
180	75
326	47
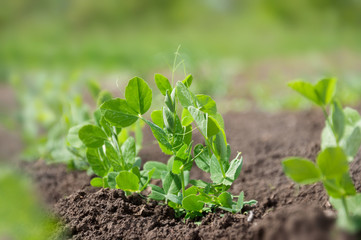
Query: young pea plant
111	153
341	140
173	132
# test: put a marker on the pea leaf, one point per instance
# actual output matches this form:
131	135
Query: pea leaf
157	117
169	102
96	182
325	90
185	97
119	113
212	127
157	193
202	158
353	142
163	83
187	118
129	151
188	81
193	203
95	162
92	136
301	170
138	95
159	134
127	181
73	136
207	104
111	179
113	157
233	171
201	119
225	199
215	170
168	119
352	116
306	89
176	169
338	120
332	162
158	166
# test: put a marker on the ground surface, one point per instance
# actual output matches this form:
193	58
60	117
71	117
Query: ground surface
284	211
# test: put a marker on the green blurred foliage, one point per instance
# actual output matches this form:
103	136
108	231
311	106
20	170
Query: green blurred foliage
22	216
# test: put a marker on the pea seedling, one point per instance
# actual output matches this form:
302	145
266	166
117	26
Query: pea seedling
341	140
112	158
174	135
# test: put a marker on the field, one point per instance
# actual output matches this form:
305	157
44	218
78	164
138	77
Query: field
246	126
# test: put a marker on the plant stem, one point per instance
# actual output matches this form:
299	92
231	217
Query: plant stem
182	181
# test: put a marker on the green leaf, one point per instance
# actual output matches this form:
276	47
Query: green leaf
233	171
215	170
351	116
219	119
207	104
212	127
168	118
187	118
301	170
111	178
188	81
193	203
353	142
144	184
201	119
129	151
118	113
127	181
158	166
176	169
157	193
92	136
95	162
306	89
138	95
240	201
202	158
327	137
171	183
191	190
225	199
220	146
332	162
163	83
159	134
157	117
338	120
96	182
199	183
113	157
73	136
325	90
169	102
187	134
185	97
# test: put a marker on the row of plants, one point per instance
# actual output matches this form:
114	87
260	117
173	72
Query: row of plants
113	156
340	142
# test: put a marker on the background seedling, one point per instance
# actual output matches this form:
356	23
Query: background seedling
111	152
341	140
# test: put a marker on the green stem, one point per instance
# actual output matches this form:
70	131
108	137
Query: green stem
182	181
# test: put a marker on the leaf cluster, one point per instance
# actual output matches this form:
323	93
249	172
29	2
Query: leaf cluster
341	140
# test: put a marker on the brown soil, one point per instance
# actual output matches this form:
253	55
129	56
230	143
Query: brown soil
285	211
55	181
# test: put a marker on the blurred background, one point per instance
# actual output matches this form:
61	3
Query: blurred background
55	54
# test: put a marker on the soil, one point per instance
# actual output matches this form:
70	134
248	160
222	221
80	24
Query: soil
284	210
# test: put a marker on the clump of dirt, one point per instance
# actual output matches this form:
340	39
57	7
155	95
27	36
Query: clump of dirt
55	181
